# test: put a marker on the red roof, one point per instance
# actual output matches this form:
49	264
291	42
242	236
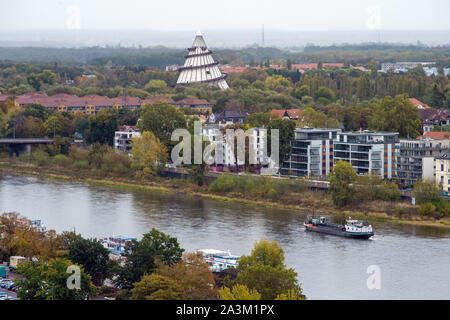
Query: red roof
437	135
3	97
291	113
153	99
192	102
418	104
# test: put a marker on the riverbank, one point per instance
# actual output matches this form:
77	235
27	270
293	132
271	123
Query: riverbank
309	201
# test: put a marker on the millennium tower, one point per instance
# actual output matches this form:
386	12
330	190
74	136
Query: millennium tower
200	66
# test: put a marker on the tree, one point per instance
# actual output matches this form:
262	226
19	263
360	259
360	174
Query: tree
35	81
238	292
426	191
325	93
149	155
92	255
141	257
155	85
277	82
192	274
342	180
53	126
49	281
264	271
156	287
258	120
102	127
162	119
316	119
286	135
397	114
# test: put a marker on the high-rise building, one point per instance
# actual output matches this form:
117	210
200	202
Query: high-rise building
200	66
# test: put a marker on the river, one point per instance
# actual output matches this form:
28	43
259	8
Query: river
414	262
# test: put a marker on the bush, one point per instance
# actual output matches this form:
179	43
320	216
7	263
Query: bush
40	157
116	163
427	209
79	154
62	161
257	187
80	164
399	211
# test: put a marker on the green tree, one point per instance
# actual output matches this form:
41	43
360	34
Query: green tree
92	255
155	85
49	282
102	127
277	82
162	119
342	180
426	191
141	257
264	271
397	114
53	126
286	135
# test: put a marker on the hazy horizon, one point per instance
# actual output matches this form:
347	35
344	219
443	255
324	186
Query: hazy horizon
236	23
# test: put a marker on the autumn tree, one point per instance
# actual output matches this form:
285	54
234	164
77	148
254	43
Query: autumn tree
149	155
193	275
264	271
156	287
342	180
238	292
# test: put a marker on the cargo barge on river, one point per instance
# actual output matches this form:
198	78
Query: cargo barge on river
352	228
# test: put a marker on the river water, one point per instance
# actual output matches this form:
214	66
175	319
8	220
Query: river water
413	262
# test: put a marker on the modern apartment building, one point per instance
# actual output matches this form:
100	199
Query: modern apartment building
122	138
416	159
312	153
368	151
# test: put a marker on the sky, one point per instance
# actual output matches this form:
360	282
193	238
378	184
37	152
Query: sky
175	15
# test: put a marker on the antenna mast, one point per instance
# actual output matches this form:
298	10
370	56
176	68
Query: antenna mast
263	35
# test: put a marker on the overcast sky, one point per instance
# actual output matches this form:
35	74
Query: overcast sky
226	14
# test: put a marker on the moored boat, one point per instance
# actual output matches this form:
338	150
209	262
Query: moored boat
351	229
219	260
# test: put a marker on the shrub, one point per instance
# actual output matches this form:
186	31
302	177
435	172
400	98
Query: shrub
80	164
427	209
79	154
62	161
399	211
116	163
40	157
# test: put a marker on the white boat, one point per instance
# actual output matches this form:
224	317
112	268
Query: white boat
219	260
115	244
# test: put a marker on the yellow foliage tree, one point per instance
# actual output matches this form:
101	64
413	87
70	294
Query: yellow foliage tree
239	292
148	154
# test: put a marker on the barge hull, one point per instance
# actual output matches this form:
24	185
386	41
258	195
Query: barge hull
340	233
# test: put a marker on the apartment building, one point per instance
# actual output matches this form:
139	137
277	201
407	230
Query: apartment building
312	153
123	137
416	159
368	151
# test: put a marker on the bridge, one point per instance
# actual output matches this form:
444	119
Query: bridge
23	145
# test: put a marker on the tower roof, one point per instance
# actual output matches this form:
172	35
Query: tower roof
199	42
200	66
